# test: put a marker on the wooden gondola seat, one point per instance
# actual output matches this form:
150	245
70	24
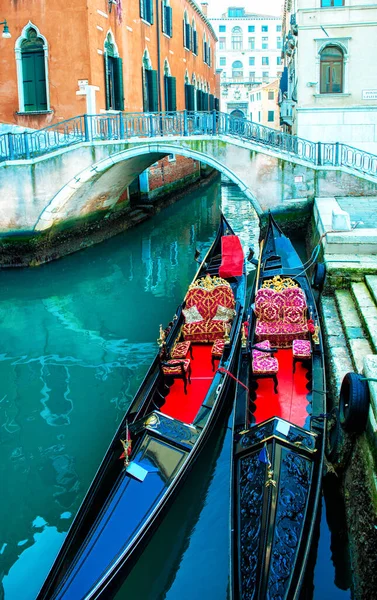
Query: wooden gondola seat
264	365
209	304
217	351
302	351
177	369
281	316
181	349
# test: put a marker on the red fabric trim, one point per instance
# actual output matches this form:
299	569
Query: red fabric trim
232	257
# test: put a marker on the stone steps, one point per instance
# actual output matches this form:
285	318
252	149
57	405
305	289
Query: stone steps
337	352
367	309
355	336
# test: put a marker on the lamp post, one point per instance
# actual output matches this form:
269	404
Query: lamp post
6	33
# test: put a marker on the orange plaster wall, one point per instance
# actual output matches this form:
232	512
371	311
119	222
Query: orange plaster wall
76	32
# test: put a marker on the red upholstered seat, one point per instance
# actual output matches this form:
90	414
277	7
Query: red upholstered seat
265	364
265	345
281	316
181	350
302	348
207	294
173	367
217	351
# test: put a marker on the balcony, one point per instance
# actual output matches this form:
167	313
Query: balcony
286	111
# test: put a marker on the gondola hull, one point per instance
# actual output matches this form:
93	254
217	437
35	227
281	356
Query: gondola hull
125	503
278	445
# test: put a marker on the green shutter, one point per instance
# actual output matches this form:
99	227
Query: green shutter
163	14
170	93
144	81
107	89
195	42
118	84
199	102
149	11
152	90
40	81
142	9
189	97
187	36
169	20
28	73
211	102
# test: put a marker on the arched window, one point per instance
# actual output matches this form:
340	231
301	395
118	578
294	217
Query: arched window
31	59
194	37
113	75
167	18
170	88
237	69
186	32
237	38
150	89
239	114
189	93
331	74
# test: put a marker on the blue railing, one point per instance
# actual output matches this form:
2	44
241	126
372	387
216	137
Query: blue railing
123	126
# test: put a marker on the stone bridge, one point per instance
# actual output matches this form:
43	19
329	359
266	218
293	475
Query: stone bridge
83	166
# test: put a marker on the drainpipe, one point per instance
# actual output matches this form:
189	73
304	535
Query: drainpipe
158	55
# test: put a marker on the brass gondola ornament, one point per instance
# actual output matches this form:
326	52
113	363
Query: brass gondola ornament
161	339
243	336
127	444
315	335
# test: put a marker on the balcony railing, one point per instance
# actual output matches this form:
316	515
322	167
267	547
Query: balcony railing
125	126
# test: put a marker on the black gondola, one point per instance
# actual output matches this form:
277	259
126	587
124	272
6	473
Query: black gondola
162	433
279	425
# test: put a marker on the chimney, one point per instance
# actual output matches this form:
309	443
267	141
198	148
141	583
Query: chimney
204	6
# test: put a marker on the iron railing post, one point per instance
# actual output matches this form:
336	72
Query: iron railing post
227	119
26	144
121	127
87	128
213	122
319	153
337	154
185	123
151	126
10	146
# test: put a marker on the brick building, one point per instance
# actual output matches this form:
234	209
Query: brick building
69	57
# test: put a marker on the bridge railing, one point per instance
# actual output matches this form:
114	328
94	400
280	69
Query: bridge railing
123	126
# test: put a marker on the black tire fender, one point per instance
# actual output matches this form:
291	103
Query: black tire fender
354	403
319	276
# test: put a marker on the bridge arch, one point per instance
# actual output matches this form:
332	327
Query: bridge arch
107	179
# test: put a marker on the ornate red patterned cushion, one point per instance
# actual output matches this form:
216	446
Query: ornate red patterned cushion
218	347
204	331
207	301
268	304
294	297
265	327
265	344
302	348
175	370
294	314
180	350
265	365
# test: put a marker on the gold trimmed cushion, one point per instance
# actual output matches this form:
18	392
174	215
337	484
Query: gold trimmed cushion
224	314
180	350
192	315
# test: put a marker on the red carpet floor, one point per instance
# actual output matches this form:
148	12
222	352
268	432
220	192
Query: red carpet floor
185	407
291	401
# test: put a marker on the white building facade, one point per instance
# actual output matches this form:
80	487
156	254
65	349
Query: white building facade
332	83
248	54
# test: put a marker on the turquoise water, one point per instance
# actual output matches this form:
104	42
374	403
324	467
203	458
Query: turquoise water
76	339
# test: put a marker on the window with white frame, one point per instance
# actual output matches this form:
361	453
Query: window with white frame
32	75
237	38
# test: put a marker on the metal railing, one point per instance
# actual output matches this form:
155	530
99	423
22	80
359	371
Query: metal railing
124	126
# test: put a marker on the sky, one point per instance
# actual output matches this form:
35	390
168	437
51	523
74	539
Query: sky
265	7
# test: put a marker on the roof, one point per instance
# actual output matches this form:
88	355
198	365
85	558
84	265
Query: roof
203	17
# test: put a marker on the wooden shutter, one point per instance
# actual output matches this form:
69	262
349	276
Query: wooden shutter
145	89
171	95
205	101
151	76
28	79
107	88
189	97
195	42
142	8
149	4
205	52
163	17
217	104
198	100
188	36
169	20
211	102
209	56
118	84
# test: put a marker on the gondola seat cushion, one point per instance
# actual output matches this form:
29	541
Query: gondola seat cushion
180	350
265	364
265	345
301	348
173	367
218	348
281	316
207	294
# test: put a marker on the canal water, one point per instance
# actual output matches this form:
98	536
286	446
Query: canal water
77	336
